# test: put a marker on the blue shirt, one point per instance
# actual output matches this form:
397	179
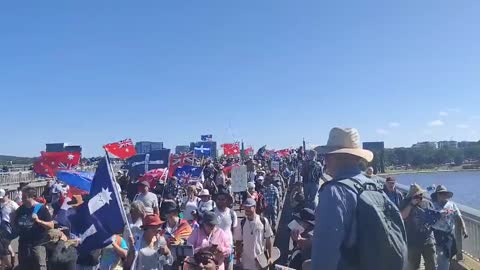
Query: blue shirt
334	223
271	195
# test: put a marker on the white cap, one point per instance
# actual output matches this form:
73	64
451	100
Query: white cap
204	192
2	193
250	185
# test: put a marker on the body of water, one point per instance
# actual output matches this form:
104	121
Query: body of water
464	184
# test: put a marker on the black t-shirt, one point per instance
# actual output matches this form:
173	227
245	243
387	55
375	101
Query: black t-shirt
417	224
31	232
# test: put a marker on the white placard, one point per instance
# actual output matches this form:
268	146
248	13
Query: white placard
275	165
239	178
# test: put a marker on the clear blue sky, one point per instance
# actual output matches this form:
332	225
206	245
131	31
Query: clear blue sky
267	72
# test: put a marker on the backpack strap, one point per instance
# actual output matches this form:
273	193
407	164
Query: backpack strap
37	208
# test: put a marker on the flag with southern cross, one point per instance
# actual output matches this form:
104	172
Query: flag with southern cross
50	162
97	220
206	138
122	149
202	150
142	163
188	173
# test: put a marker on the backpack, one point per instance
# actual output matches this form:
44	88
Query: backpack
380	232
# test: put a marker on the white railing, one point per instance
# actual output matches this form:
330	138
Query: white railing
10	178
471	245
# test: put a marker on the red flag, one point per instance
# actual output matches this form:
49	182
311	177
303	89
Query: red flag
122	149
283	152
50	162
248	151
178	160
154	176
231	149
228	169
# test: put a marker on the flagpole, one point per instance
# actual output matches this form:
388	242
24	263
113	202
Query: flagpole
117	194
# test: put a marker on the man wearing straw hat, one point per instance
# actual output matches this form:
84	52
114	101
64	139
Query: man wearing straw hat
444	229
347	235
418	215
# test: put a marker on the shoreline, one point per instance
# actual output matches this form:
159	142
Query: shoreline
427	171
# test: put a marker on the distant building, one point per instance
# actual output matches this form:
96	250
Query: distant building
465	144
54	147
62	147
448	144
146	147
73	148
425	145
182	149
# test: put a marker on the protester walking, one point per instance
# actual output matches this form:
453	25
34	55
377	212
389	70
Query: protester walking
206	204
391	190
149	199
190	205
253	238
272	198
345	222
444	229
210	237
311	175
7	211
227	220
32	221
419	218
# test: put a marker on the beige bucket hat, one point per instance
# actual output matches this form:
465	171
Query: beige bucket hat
345	141
415	189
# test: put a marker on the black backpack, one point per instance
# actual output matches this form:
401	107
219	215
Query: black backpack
380	242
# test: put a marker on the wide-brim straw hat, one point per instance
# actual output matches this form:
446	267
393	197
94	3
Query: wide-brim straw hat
345	141
415	189
441	189
204	192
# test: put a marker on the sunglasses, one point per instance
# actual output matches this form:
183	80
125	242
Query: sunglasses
418	197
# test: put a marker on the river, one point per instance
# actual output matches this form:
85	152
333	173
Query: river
464	184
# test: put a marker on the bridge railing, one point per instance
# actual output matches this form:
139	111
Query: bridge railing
471	245
16	177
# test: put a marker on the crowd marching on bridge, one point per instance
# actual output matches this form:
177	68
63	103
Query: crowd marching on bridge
343	218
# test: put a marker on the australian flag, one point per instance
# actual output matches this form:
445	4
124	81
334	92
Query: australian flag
97	220
206	138
202	150
142	163
189	173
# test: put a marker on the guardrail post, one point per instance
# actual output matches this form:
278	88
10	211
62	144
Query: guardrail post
459	240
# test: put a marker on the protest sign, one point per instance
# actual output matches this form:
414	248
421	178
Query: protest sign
275	166
239	178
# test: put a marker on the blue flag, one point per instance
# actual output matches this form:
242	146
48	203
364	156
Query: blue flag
205	138
188	173
96	221
142	163
202	151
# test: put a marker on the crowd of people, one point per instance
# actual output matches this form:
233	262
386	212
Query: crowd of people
350	221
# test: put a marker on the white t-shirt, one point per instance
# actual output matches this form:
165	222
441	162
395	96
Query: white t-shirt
190	206
7	209
253	238
149	200
225	220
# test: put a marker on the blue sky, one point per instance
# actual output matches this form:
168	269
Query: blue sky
267	72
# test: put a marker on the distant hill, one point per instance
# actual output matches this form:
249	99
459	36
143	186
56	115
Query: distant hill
15	160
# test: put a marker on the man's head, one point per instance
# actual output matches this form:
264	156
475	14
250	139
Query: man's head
442	194
251	186
209	222
223	200
144	187
390	183
28	196
3	196
137	210
344	151
250	206
204	195
369	171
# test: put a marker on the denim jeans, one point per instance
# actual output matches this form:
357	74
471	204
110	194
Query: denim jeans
271	214
310	191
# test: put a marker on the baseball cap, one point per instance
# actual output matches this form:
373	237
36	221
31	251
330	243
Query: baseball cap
249	202
2	193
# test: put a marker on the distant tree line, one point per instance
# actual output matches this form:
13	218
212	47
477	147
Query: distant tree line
429	156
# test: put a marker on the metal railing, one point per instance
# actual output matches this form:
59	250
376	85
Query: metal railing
11	178
471	245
